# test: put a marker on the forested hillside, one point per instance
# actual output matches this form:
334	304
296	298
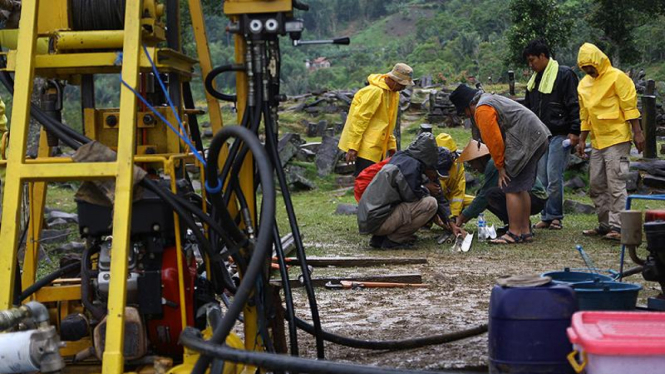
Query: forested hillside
454	39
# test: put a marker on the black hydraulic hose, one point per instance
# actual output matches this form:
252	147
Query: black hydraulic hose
210	78
97	312
288	295
271	141
191	339
188	100
48	279
395	345
264	238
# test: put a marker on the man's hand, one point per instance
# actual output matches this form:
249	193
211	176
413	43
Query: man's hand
503	178
639	140
433	188
581	148
461	220
457	230
574	139
351	155
391	152
439	222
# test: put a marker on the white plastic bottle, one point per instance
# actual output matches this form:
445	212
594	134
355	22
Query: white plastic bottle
482	232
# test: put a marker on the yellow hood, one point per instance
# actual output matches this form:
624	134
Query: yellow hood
590	55
445	140
378	80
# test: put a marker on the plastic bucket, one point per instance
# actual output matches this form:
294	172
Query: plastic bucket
570	277
606	295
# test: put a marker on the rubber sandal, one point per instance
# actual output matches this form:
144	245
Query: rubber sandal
613	235
556	225
542	225
527	238
515	239
595	232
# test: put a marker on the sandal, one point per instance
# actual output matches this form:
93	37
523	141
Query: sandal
556	225
508	238
542	225
595	232
527	238
613	235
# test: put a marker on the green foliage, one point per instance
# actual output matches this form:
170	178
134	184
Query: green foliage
536	19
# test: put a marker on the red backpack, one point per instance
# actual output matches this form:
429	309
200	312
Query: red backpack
365	178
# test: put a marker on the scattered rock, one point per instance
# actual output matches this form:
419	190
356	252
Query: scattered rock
471	180
73	247
575	183
345	181
207	133
654	181
327	156
58	223
305	155
633	181
56	214
295	177
343	168
288	147
346	209
575	207
205	125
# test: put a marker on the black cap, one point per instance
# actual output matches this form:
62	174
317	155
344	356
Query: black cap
462	97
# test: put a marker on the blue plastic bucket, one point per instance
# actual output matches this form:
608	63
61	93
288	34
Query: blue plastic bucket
570	277
606	295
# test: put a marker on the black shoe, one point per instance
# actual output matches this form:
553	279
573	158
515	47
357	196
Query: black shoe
501	231
389	244
376	241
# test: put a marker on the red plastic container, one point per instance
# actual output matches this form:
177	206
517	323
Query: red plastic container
654	215
618	342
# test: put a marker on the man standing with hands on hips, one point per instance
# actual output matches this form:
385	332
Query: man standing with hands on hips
368	132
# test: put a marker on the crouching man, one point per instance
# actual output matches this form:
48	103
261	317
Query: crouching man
400	199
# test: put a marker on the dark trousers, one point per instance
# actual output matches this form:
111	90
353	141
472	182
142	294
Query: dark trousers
496	200
362	164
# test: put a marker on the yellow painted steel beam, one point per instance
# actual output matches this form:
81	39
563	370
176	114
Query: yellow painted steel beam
198	23
9	40
59	293
73	171
72	40
9	233
257	6
37	200
113	359
166	60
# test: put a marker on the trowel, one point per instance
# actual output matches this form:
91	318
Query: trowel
463	244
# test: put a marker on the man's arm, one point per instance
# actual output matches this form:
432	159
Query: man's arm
488	124
585	127
571	104
480	203
625	89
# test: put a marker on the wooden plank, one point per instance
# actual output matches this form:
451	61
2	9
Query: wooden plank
320	282
357	261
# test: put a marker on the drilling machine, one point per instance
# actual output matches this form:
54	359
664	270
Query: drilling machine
653	266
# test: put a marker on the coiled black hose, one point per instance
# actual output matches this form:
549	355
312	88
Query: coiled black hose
97	14
264	238
210	78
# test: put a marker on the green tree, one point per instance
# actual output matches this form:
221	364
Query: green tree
536	19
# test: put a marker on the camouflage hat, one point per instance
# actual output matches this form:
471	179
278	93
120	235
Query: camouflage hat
402	74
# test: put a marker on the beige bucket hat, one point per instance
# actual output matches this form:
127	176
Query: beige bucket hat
402	74
473	150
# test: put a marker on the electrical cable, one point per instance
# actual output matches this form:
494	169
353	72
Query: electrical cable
193	121
264	238
48	279
86	277
288	295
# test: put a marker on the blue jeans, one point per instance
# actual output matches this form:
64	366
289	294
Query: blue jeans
550	172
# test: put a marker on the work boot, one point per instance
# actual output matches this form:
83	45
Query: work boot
376	241
389	244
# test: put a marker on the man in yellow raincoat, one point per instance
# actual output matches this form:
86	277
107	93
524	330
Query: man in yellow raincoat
609	115
454	186
368	132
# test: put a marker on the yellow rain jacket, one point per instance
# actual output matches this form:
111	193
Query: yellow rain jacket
454	187
371	121
3	118
606	102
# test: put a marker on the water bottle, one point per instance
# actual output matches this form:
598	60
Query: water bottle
482	233
566	143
